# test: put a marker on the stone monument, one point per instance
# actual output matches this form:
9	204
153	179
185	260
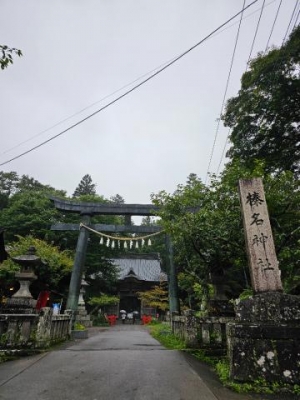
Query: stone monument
264	339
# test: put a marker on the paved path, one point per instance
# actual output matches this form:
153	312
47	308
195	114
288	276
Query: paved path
122	362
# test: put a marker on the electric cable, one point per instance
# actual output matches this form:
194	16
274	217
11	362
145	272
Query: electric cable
273	25
292	17
85	108
117	90
296	18
272	29
131	90
224	97
256	31
274	67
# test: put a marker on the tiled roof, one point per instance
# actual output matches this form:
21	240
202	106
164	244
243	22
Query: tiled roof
144	269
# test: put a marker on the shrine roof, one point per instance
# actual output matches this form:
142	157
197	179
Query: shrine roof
142	268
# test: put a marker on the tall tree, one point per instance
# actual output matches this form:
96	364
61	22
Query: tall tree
117	199
85	187
265	115
8	186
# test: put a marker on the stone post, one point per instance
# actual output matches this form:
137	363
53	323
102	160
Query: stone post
264	271
264	339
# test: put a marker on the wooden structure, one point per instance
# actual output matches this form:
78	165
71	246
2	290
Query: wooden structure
137	273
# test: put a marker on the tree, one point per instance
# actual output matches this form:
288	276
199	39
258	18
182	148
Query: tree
85	187
55	265
7	55
117	199
28	214
265	115
102	301
8	182
209	244
157	297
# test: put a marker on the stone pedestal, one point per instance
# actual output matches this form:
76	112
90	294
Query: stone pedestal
82	317
264	339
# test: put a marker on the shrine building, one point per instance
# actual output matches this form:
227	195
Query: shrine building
137	273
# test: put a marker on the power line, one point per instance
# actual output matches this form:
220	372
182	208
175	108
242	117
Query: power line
274	67
85	108
292	17
229	131
117	90
256	30
225	93
272	29
296	17
132	89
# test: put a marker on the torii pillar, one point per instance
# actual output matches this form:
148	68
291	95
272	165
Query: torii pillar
79	261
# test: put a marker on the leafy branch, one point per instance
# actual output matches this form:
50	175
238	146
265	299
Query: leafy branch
7	55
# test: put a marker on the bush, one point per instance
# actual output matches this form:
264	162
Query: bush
162	332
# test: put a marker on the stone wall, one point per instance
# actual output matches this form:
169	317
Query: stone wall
33	331
264	340
205	332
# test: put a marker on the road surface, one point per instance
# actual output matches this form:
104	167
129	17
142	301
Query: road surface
120	363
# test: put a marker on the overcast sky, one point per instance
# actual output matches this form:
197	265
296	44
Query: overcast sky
77	52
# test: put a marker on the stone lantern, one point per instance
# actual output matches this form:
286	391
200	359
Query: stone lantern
22	301
81	314
84	284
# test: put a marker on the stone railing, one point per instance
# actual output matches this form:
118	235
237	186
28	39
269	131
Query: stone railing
17	330
33	331
205	332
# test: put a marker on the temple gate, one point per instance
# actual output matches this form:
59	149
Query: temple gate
86	210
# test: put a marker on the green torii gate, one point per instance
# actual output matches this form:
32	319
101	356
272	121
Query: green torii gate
86	211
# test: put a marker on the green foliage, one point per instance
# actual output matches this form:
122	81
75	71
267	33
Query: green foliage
207	231
162	332
202	356
54	266
205	226
7	53
246	294
156	297
79	327
264	116
259	386
25	206
104	300
117	199
100	320
27	210
85	187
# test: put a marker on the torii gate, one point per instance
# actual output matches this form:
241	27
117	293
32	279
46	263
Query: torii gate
86	211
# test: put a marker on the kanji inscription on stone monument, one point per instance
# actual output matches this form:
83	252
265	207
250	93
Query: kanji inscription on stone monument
264	271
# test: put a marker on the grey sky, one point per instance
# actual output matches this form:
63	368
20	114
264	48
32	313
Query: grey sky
78	52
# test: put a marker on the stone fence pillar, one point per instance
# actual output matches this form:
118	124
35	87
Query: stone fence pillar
264	339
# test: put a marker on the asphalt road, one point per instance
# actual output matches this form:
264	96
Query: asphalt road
122	362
